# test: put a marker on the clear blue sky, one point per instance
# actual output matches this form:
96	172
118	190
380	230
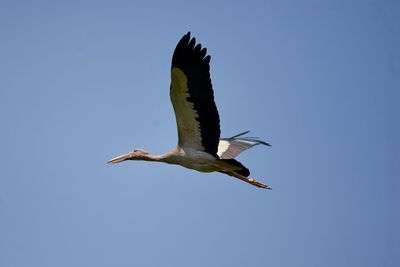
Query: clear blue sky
84	81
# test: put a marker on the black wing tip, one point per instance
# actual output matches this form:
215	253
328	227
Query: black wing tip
265	143
190	44
184	40
254	139
259	142
240	134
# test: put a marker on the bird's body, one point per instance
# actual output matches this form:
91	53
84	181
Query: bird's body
199	145
191	159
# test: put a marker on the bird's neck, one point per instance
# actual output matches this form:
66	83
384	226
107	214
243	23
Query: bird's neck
150	157
159	158
170	157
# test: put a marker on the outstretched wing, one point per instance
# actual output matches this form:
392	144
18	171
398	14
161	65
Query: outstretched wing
193	98
229	148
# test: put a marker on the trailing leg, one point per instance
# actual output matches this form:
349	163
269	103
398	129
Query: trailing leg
241	177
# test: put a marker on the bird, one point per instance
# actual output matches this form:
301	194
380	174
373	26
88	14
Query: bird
199	144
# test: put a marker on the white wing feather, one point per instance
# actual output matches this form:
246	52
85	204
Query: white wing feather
229	148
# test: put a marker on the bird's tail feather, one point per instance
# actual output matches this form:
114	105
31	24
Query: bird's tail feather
235	166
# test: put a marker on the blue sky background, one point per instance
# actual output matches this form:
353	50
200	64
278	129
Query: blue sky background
84	81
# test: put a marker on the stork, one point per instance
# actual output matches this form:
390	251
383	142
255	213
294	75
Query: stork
199	145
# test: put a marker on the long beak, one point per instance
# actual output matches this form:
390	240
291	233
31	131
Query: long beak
120	158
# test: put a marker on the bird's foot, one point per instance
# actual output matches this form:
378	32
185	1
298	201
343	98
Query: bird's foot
258	184
241	177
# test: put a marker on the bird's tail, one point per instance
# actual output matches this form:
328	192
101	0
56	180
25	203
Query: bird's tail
234	165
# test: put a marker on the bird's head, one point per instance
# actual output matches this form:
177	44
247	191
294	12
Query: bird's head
136	154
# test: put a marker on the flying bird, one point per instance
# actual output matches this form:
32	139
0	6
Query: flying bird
199	145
